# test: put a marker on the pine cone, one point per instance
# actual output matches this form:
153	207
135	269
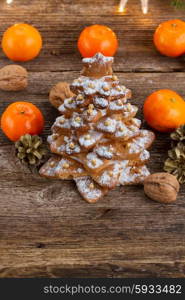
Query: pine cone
30	149
175	164
179	134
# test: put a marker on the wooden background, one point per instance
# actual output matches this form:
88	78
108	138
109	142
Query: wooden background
46	229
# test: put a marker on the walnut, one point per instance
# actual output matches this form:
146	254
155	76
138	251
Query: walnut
161	187
13	78
59	93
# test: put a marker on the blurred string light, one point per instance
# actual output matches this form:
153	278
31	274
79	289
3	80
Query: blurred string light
9	1
144	6
122	5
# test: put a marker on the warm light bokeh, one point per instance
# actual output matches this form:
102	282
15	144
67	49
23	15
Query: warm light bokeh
9	1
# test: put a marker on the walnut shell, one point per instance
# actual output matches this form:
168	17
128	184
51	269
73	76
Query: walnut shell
13	78
59	93
161	187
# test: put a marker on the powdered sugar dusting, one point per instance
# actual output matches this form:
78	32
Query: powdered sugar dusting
62	109
107	125
117	105
141	142
133	175
125	132
144	156
90	138
98	57
60	167
62	122
89	189
109	177
100	86
106	151
100	102
129	110
93	162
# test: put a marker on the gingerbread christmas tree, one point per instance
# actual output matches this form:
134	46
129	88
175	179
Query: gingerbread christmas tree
97	141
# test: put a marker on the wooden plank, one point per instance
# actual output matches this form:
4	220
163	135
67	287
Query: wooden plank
64	20
47	263
47	230
40	83
75	262
45	227
48	195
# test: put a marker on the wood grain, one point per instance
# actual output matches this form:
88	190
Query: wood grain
46	229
